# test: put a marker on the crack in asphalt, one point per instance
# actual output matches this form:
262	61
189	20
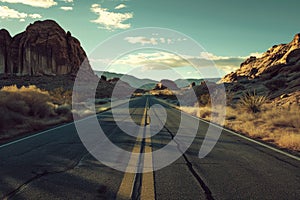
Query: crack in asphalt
42	174
203	185
189	164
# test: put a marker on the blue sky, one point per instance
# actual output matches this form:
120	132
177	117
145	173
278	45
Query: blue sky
228	30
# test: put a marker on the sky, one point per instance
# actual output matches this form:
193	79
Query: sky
227	32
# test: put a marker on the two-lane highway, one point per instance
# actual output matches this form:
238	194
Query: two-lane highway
56	165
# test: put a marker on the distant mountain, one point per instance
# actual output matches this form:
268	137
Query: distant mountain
148	84
135	82
182	82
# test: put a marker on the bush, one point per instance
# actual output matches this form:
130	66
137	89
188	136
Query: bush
61	96
252	102
28	109
63	109
9	118
204	100
27	101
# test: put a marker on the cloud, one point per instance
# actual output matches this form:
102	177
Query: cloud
225	63
256	54
120	6
66	8
35	16
68	1
228	63
8	13
34	3
165	60
141	40
153	40
159	60
110	20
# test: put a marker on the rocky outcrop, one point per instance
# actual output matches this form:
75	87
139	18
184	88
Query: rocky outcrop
43	49
5	41
166	84
276	57
275	74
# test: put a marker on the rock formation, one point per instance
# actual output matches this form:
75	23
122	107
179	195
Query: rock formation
276	73
5	41
166	84
276	57
43	49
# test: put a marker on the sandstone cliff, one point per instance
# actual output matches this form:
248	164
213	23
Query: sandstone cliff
43	49
281	56
275	74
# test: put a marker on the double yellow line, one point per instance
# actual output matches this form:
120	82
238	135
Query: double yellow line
147	188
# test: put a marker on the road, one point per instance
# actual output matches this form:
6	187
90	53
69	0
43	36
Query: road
56	165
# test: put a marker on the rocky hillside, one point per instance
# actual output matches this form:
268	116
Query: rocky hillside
43	49
276	73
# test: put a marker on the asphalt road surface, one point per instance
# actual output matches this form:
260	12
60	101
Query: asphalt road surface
56	165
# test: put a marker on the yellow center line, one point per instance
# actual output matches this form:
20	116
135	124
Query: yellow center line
126	187
147	190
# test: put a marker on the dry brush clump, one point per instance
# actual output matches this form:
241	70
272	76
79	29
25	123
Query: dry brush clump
61	95
27	109
252	102
29	101
258	117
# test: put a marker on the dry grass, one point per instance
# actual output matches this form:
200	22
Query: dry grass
276	124
290	140
191	110
28	109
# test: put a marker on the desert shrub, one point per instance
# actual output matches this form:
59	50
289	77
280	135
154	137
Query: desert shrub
276	124
63	109
204	100
252	102
9	118
29	100
17	105
230	98
61	96
42	109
